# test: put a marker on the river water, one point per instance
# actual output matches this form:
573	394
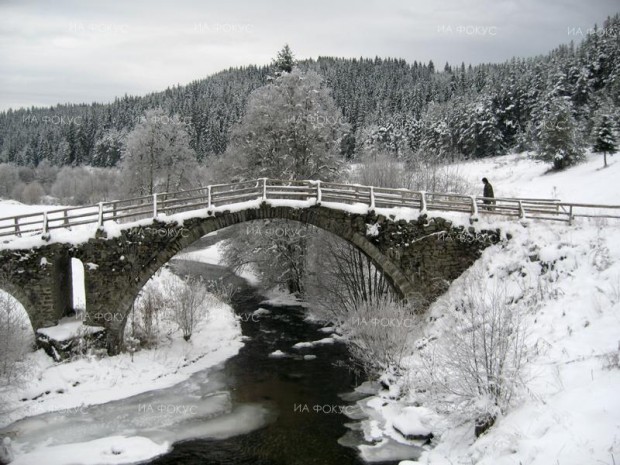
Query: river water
300	393
253	409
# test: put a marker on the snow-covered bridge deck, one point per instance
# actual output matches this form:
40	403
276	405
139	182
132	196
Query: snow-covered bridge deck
292	193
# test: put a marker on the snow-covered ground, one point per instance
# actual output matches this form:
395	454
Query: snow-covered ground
87	381
9	208
569	411
518	175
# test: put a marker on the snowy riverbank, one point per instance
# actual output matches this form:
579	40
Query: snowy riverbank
568	413
67	388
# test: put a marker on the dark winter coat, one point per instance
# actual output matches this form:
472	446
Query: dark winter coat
488	190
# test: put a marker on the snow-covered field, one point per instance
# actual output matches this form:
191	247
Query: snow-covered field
517	175
10	208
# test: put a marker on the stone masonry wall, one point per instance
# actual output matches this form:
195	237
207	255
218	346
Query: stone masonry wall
420	258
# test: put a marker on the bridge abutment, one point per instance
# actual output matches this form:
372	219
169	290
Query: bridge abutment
41	280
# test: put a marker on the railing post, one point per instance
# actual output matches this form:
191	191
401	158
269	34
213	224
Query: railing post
570	215
318	192
264	189
208	196
521	210
100	216
474	206
372	198
154	205
45	223
423	201
17	232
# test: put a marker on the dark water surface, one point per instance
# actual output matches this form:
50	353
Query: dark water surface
291	437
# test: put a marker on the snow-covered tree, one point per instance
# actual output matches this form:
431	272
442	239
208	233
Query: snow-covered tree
480	135
291	130
158	157
285	61
605	140
559	139
108	149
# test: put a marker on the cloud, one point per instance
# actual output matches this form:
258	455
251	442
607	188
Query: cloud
75	51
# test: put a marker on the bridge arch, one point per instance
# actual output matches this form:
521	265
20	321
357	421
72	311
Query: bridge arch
140	252
24	300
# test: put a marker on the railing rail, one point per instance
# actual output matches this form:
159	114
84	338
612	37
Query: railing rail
221	195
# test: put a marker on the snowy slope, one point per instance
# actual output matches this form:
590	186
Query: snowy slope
14	208
569	411
517	175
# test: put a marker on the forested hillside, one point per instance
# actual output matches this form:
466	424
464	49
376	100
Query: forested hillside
445	111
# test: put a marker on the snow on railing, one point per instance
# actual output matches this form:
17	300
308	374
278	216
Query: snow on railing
265	190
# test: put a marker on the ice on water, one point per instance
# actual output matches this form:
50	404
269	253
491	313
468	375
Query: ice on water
197	408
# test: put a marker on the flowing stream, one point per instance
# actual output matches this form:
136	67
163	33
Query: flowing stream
299	392
253	409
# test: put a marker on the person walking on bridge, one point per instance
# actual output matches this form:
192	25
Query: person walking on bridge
488	193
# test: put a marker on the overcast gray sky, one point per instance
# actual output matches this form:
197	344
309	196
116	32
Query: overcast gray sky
83	51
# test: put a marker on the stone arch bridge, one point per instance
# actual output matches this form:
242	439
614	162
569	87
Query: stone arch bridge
128	241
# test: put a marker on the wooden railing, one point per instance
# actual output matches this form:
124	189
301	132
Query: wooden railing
169	203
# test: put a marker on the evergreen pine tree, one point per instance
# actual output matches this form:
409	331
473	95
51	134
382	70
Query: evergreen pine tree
605	141
558	136
285	60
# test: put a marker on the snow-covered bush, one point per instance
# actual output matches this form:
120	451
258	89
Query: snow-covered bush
31	193
381	170
434	177
166	304
477	366
79	185
188	303
419	174
16	338
222	291
144	321
9	178
377	334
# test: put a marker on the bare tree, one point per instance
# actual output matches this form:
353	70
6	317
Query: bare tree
188	298
146	315
341	277
378	333
221	291
276	249
418	173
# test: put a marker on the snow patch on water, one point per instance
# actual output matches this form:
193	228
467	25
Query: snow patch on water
110	450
